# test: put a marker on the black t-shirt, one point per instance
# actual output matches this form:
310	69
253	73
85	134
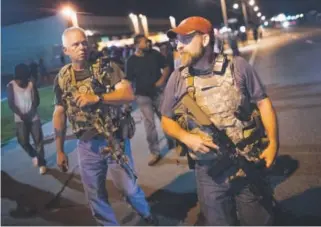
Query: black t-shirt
144	71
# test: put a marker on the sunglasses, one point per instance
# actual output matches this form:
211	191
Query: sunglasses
186	39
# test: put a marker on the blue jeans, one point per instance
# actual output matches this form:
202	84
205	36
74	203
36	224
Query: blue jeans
219	200
93	171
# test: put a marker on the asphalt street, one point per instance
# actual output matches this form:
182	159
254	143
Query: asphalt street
288	63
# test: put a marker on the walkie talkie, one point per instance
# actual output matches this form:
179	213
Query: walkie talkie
220	64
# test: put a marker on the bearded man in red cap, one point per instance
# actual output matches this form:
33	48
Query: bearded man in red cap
228	92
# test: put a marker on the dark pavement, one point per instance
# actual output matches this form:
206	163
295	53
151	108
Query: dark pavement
288	62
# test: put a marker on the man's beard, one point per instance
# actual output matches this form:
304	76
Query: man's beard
188	58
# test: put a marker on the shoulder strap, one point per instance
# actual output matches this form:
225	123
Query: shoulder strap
190	86
73	77
189	81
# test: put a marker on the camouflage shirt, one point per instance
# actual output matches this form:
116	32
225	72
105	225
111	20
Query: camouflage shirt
82	119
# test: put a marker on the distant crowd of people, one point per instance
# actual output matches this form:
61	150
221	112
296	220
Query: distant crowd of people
121	54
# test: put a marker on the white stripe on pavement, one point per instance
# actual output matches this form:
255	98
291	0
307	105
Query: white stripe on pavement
253	56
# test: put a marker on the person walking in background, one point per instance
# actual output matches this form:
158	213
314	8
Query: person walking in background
23	100
148	69
168	55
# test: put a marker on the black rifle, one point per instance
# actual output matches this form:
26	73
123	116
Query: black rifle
227	155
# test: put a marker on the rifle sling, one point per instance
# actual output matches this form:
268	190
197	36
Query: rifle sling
203	119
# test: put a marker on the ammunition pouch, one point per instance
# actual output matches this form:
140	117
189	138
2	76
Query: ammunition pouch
254	134
127	126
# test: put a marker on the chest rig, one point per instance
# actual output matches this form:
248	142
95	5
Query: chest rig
220	98
85	119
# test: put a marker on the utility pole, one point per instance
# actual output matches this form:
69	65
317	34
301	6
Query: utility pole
224	12
246	21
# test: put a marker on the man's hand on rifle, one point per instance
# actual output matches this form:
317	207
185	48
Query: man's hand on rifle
86	99
269	154
197	144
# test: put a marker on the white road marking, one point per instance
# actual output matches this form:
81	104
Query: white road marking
309	41
253	56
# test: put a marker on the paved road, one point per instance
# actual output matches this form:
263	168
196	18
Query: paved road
288	63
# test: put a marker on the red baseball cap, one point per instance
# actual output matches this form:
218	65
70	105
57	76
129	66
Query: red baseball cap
190	25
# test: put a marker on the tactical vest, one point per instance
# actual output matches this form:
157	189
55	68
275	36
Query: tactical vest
81	119
220	97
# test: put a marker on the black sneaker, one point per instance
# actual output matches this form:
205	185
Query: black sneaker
151	220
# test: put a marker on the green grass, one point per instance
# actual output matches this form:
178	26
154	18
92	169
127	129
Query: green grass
45	111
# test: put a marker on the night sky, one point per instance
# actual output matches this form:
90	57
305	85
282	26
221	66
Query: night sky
15	11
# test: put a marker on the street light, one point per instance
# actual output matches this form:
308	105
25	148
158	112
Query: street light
224	12
244	10
259	14
235	6
256	8
251	2
172	21
263	18
70	14
134	19
143	19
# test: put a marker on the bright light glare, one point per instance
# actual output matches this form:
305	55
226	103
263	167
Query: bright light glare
259	14
285	24
235	6
89	33
67	11
134	19
172	21
223	30
243	29
263	18
301	15
281	17
266	23
251	2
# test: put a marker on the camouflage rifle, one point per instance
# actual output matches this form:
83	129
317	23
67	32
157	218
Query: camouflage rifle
104	123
